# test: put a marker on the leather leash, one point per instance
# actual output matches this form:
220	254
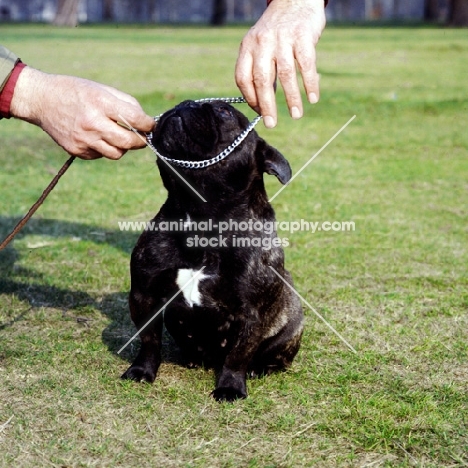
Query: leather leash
36	205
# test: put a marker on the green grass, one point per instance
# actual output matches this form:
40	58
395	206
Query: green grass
396	288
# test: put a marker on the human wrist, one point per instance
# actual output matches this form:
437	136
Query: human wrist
26	103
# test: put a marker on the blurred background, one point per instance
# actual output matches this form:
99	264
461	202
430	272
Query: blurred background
219	12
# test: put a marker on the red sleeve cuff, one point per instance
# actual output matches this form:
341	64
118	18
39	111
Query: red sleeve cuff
7	93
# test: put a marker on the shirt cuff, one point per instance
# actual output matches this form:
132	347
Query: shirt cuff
7	93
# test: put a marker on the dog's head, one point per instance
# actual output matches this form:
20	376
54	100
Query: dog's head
196	131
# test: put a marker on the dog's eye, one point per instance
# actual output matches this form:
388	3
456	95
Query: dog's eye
224	111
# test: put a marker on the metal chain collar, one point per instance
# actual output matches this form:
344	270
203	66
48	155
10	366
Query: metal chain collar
225	153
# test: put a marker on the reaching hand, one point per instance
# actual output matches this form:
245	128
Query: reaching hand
287	32
80	115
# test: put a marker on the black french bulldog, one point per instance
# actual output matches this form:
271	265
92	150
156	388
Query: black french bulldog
233	312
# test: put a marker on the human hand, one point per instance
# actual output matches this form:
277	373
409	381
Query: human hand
80	115
287	32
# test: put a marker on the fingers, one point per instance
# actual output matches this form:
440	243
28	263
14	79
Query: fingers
89	155
103	149
306	60
104	137
127	109
256	73
243	77
103	129
134	119
284	36
255	76
264	74
288	79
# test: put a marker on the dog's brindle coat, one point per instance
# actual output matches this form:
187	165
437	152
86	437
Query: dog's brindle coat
242	319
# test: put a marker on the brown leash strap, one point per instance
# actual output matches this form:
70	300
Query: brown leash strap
36	205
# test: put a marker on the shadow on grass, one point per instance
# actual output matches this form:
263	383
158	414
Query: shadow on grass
37	293
121	240
14	279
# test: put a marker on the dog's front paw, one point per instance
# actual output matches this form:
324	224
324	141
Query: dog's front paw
228	394
231	385
139	374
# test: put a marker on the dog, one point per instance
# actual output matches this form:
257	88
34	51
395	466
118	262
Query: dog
225	304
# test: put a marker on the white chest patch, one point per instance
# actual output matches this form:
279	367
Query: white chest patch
188	281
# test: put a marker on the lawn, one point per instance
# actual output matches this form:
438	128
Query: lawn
396	287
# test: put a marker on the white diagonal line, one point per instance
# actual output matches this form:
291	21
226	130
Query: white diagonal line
313	157
182	178
5	424
174	170
160	310
314	311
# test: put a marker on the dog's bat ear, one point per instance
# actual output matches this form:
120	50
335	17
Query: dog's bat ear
274	163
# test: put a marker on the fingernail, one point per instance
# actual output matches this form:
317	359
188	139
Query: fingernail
269	121
296	113
313	99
